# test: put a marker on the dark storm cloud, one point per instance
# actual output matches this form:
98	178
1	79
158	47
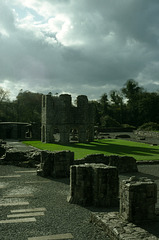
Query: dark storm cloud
80	47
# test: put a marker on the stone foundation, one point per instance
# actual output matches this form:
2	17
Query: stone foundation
94	185
55	164
20	158
119	229
2	151
124	164
137	199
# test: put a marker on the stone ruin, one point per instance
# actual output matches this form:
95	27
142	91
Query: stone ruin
60	119
138	197
97	184
12	156
55	164
124	164
94	184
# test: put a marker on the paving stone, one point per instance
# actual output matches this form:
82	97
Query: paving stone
31	171
18	196
34	214
53	237
28	210
13	204
30	182
22	220
11	176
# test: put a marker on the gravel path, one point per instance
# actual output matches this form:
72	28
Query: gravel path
60	216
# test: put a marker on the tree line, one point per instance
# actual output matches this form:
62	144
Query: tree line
131	105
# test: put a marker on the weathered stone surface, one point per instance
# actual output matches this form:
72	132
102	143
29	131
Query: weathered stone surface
94	184
21	158
55	164
2	151
120	229
93	158
59	115
124	164
138	197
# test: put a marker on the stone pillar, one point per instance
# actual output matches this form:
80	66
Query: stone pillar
49	138
106	186
82	135
55	164
94	184
62	162
91	133
64	135
138	197
81	185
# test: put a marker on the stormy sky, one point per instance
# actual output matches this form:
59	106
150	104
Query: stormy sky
78	47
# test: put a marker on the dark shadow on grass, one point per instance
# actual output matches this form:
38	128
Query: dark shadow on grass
109	146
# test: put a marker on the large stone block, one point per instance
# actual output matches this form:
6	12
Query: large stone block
124	164
94	184
138	197
55	164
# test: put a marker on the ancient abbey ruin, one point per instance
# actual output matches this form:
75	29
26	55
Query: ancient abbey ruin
62	121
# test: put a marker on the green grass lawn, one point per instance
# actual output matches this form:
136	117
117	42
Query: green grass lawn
140	151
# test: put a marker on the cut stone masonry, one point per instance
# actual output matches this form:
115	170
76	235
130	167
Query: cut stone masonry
61	117
55	164
94	185
138	197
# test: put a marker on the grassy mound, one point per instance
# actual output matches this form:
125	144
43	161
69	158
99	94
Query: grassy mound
140	151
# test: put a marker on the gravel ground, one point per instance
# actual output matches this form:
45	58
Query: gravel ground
60	217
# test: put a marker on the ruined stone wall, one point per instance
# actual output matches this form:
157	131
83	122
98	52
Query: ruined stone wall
55	164
124	164
94	184
59	113
151	134
138	197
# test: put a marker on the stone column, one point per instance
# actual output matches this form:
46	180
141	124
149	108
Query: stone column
64	135
138	197
94	184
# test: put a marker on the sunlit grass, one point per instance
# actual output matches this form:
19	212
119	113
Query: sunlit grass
140	151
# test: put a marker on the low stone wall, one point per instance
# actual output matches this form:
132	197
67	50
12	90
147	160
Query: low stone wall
124	164
138	197
94	185
147	134
55	164
119	229
2	151
20	158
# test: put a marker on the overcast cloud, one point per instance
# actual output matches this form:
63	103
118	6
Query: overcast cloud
78	47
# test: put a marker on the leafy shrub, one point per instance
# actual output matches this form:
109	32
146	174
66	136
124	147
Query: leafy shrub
107	121
128	126
150	126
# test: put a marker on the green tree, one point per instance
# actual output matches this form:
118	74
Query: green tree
4	95
117	105
148	106
4	105
28	106
132	93
132	90
104	104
